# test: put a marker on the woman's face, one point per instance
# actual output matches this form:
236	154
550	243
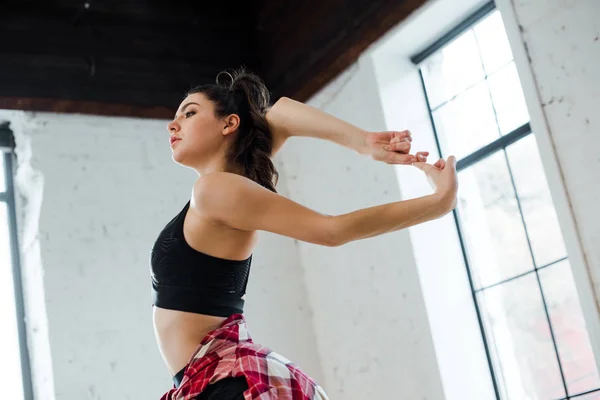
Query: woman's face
199	132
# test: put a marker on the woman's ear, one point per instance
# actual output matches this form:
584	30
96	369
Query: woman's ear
230	124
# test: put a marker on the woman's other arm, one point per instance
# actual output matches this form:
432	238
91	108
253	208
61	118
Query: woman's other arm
289	118
243	204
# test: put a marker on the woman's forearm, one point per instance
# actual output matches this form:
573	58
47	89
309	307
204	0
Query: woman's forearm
387	218
289	118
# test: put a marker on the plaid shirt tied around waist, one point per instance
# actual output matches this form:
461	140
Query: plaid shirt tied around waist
229	351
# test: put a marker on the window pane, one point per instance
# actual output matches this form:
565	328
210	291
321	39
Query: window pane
576	354
467	123
493	43
10	361
525	363
2	177
508	99
494	234
538	210
451	70
590	396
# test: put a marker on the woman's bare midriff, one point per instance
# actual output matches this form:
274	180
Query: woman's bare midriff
179	334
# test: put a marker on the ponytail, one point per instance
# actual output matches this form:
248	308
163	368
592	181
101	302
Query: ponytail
252	148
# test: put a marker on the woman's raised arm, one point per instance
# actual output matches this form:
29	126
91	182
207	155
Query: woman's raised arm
289	118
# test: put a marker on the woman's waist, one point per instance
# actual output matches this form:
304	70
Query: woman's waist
179	334
183	324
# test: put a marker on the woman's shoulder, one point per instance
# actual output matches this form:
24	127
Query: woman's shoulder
221	190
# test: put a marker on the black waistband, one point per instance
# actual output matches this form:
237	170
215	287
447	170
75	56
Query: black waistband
227	388
179	377
192	300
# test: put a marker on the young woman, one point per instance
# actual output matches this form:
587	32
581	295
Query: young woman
200	262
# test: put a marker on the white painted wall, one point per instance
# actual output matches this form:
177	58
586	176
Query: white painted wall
96	193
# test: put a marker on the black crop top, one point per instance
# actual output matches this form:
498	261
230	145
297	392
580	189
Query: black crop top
187	280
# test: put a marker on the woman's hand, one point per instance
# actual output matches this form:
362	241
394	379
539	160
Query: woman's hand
392	147
442	178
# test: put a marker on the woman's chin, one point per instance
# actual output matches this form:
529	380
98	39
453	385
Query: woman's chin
177	157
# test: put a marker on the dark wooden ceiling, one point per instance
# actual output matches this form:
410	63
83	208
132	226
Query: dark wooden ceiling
138	57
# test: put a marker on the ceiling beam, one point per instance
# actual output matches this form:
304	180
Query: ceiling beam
86	107
116	59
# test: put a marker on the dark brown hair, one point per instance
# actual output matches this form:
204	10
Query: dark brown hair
245	94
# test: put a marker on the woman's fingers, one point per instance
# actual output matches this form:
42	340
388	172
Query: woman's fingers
398	149
403	146
423	166
392	157
402	135
422	156
405	139
387	137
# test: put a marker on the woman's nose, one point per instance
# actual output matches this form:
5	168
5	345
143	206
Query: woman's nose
173	127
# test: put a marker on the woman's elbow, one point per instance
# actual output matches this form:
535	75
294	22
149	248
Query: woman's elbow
278	109
332	235
282	100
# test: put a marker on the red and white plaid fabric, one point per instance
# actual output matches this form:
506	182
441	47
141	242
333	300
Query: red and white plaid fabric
229	351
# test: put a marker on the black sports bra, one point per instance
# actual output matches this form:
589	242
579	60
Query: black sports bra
187	280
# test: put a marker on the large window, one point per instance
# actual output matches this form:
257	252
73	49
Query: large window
525	297
14	360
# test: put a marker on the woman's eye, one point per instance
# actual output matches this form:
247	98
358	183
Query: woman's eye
189	114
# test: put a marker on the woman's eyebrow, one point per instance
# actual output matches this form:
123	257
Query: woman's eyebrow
185	106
